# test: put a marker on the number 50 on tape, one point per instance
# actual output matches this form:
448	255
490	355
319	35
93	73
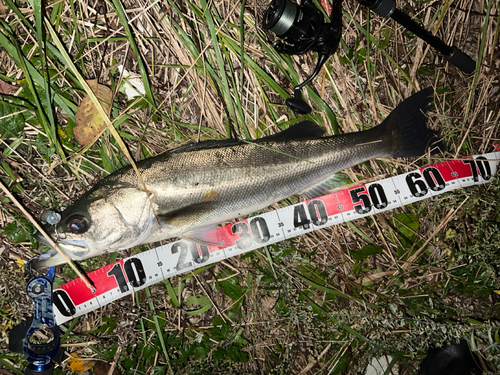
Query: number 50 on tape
125	276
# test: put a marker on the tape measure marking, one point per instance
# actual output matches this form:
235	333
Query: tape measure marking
126	276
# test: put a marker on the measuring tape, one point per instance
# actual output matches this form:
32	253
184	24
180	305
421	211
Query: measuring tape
129	275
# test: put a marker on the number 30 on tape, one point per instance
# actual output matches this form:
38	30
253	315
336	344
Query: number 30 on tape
125	276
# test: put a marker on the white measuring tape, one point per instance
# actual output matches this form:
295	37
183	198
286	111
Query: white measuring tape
126	276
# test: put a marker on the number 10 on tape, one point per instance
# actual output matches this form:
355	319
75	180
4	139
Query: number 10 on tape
147	268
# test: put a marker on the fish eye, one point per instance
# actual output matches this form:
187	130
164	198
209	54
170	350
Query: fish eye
77	224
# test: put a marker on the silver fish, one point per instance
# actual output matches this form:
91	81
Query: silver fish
195	187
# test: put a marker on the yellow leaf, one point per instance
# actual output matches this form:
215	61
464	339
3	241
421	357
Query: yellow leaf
212	194
62	133
20	263
76	364
7	326
89	122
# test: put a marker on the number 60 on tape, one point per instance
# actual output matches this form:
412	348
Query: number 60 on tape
125	276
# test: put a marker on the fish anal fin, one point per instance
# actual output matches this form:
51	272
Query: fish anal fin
206	235
326	186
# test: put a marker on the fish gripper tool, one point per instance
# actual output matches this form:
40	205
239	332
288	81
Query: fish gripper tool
40	350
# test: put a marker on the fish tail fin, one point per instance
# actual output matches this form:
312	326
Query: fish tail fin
406	131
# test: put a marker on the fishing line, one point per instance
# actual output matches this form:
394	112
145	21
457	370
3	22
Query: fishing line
126	276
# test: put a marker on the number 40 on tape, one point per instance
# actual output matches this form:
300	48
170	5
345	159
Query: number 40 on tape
125	276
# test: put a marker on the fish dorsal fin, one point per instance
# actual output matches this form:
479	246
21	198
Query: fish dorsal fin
206	145
301	130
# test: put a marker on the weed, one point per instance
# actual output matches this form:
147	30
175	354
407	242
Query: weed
326	302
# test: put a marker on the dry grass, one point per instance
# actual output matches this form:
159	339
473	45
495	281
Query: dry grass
190	103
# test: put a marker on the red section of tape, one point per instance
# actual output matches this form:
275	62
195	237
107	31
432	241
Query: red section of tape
239	237
79	292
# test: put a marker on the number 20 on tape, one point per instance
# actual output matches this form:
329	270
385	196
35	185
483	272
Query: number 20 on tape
128	275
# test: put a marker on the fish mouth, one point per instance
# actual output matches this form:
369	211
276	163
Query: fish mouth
73	249
47	259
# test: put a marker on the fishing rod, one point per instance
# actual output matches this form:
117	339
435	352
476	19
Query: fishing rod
302	27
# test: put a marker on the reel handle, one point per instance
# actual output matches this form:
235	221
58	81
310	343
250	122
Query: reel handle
303	28
297	104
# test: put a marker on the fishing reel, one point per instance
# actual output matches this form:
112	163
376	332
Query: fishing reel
302	28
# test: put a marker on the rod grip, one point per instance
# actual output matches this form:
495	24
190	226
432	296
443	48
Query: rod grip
461	60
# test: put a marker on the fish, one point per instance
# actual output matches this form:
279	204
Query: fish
194	187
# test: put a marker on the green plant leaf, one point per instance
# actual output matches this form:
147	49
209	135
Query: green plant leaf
311	273
11	122
200	300
201	350
19	231
366	251
407	224
231	288
384	38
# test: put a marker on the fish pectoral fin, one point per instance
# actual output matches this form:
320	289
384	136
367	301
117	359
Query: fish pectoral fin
191	218
188	216
326	186
48	259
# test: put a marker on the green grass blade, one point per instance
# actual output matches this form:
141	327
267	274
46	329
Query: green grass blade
285	65
375	42
171	292
94	100
328	290
234	109
242	45
10	44
479	61
39	11
7	365
343	326
159	330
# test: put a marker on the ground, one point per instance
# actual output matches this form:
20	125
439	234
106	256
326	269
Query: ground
310	305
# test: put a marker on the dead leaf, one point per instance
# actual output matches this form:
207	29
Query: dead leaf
4	9
212	194
102	368
6	88
89	122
